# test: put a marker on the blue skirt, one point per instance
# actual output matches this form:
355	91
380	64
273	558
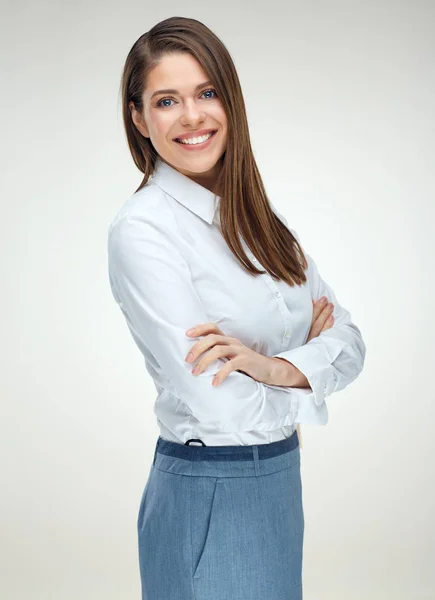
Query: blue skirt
222	522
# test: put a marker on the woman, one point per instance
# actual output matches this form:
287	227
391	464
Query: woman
199	245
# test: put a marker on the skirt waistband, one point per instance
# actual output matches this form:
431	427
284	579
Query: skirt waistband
226	461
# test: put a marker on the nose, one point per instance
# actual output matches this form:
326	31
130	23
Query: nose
192	114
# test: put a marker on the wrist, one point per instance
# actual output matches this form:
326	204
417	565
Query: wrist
286	374
283	372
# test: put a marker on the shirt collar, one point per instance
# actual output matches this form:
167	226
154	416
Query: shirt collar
189	193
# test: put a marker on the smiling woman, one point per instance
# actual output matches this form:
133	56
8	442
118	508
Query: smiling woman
199	244
188	129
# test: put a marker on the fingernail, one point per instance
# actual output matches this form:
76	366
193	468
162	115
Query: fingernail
189	357
323	299
191	330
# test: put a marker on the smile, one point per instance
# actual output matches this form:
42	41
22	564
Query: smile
196	143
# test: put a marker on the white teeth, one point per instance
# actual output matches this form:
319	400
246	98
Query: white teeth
197	140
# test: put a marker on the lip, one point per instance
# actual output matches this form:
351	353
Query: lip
197	147
192	134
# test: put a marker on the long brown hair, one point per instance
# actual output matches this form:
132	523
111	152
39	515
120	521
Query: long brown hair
244	208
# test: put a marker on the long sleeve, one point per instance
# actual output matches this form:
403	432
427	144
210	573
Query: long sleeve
151	282
333	359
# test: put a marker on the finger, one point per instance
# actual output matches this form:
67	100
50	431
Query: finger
229	351
203	329
328	323
324	313
318	324
319	306
228	368
207	342
317	309
322	308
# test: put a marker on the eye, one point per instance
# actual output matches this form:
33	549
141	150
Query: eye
210	90
160	104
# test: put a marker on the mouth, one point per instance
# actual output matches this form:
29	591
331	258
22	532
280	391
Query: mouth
196	143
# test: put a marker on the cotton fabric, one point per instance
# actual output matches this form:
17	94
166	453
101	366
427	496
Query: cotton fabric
170	269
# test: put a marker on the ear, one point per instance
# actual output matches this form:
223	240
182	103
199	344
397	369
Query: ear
138	120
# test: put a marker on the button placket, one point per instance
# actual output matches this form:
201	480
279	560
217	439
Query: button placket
286	315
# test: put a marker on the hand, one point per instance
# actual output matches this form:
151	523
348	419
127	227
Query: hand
322	318
240	357
321	321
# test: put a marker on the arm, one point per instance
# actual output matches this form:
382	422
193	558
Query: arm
152	285
287	374
336	356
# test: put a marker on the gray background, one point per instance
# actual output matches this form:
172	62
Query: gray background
340	100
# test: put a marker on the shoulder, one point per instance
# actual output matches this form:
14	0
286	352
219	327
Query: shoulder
147	210
284	220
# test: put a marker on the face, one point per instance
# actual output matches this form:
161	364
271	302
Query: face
191	106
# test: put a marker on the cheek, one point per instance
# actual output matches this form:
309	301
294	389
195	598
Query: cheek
161	125
222	119
164	127
220	116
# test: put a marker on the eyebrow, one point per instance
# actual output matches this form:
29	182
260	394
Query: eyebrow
170	91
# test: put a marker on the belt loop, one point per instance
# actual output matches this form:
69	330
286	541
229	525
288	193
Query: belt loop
155	451
256	460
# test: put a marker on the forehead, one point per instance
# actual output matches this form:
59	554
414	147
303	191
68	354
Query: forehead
180	71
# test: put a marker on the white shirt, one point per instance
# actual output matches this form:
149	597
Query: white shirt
170	269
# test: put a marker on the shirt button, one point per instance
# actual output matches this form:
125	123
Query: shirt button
277	294
287	335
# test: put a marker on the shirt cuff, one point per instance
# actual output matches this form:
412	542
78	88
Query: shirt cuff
314	360
304	409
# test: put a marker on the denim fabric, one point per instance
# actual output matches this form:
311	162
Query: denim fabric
222	523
